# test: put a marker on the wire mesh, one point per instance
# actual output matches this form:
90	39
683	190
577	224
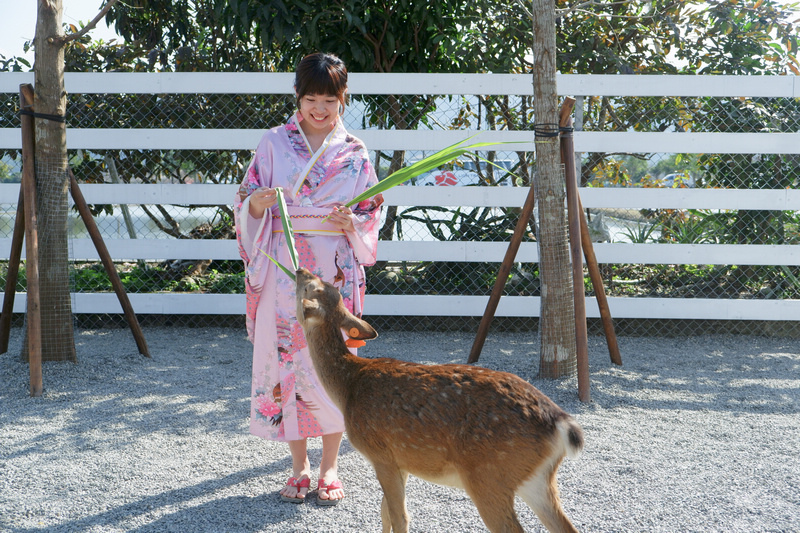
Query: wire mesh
452	223
55	304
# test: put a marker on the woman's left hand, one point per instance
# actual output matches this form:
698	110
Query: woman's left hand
342	218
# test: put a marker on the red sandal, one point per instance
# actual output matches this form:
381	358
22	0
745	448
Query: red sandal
335	484
303	483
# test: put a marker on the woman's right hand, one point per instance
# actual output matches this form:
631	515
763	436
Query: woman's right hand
262	199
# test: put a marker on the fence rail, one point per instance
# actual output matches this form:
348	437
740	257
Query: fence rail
648	253
410	83
420	140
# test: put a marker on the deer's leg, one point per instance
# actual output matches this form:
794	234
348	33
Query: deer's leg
386	520
495	503
394	515
540	492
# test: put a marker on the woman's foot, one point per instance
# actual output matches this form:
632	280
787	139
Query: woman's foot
329	488
296	489
297	486
329	493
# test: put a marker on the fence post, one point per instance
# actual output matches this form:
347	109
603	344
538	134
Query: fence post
31	239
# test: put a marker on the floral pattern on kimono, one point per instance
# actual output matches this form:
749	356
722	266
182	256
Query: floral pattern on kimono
287	401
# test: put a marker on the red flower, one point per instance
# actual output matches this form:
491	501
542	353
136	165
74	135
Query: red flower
446	178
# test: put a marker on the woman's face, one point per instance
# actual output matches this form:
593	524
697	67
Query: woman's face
319	112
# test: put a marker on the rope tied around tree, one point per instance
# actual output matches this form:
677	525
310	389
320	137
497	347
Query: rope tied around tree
549	132
46	116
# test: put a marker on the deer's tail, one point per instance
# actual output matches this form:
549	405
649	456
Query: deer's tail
571	435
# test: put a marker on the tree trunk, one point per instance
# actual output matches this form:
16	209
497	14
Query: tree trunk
52	186
557	322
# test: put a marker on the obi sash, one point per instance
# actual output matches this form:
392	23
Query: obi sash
307	220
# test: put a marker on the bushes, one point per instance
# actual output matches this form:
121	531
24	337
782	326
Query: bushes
159	278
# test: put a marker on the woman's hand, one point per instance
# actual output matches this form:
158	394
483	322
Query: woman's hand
341	217
262	199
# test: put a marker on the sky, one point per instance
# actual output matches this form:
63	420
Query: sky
18	23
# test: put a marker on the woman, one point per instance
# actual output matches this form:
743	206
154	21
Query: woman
319	167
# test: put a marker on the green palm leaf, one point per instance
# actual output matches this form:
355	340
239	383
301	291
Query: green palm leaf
288	231
285	270
422	166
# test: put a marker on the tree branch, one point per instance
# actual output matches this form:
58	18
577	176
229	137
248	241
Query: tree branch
62	40
524	7
579	8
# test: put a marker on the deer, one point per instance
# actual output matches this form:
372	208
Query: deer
488	432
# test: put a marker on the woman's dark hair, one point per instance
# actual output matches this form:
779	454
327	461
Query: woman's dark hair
321	73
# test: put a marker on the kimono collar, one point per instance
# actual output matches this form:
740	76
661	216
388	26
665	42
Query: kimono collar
331	145
338	131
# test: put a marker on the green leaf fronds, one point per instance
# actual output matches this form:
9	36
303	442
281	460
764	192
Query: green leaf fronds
288	232
285	270
422	166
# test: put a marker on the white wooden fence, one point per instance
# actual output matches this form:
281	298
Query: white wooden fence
445	84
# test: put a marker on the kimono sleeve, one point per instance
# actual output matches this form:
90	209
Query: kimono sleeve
366	217
252	234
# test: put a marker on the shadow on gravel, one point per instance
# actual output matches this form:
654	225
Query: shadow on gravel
726	377
205	392
215	515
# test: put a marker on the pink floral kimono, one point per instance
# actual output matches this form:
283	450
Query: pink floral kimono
287	400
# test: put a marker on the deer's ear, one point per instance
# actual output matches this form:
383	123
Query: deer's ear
355	328
309	307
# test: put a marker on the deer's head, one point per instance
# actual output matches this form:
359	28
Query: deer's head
319	304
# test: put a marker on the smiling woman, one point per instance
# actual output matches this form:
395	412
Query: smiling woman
317	166
321	89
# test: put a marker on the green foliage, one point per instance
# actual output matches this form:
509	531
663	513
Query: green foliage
747	37
454	36
225	283
459	224
22	280
92	278
692	228
135	279
753	171
15	64
395	36
150	278
640	233
6	174
686	36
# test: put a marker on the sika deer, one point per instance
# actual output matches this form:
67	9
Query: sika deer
490	433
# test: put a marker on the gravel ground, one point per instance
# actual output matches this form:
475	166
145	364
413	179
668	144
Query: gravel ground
690	434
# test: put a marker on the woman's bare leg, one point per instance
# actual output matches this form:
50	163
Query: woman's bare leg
300	467
328	467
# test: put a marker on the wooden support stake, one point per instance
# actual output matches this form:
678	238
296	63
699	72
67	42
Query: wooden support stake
105	257
591	263
31	241
599	289
502	276
578	291
12	275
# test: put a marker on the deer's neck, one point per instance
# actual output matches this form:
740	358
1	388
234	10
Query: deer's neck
336	367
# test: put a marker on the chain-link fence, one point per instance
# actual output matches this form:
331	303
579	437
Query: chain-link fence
668	279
